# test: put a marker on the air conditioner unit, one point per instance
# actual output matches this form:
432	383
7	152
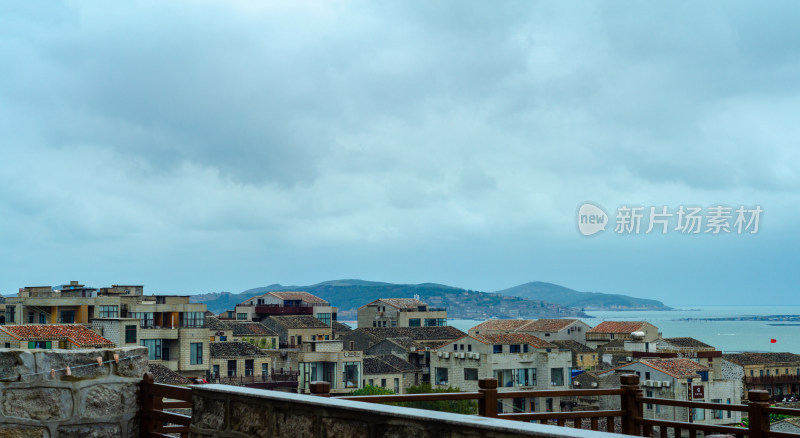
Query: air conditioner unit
648	383
462	355
665	383
657	384
477	355
439	353
447	355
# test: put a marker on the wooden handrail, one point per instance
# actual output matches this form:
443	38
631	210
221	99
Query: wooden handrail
155	421
694	404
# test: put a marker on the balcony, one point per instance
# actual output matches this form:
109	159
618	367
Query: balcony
772	380
274	309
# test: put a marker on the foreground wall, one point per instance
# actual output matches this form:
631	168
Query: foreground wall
233	412
95	401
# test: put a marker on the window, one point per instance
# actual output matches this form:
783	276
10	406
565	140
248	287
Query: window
30	317
519	404
196	353
374	324
498	349
396	385
145	318
557	376
67	317
470	374
455	347
441	376
580	358
525	377
351	375
469	348
324	317
153	348
729	412
383	383
42	318
414	322
40	344
371	382
10	313
547	334
647	377
761	373
649	393
248	367
109	311
435	322
751	372
232	368
716	413
767	372
514	349
264	369
241	316
698	414
192	319
462	347
130	334
215	371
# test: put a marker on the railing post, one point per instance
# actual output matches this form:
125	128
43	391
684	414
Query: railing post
487	405
320	389
757	404
630	407
147	424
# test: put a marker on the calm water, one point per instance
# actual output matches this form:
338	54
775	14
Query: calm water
729	336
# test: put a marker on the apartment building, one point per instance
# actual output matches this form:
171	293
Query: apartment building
638	332
172	328
400	312
232	359
685	379
270	304
518	361
547	329
321	360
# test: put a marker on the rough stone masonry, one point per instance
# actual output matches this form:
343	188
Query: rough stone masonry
95	401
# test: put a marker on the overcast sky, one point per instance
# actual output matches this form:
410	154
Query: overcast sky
199	146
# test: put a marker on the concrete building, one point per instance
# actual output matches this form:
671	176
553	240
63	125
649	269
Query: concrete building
123	332
685	379
391	372
321	360
172	328
51	336
583	357
400	312
637	332
270	304
547	329
776	373
518	361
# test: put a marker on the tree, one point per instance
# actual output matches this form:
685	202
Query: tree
372	390
469	407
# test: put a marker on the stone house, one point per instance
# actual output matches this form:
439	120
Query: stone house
776	373
51	336
391	372
400	312
123	332
272	304
321	360
685	379
637	331
518	361
256	333
293	330
547	329
583	357
218	330
232	359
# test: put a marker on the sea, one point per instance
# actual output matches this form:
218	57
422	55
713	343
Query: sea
727	336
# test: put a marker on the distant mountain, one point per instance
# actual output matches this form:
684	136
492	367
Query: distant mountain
349	295
554	293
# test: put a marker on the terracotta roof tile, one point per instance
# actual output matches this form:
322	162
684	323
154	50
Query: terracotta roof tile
302	296
678	368
75	334
500	324
618	327
546	325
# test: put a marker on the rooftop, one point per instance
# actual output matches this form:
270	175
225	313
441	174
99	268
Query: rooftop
513	338
500	324
387	364
401	303
250	328
687	343
214	323
234	349
677	368
339	327
762	358
574	346
298	321
618	327
415	333
73	333
162	374
298	296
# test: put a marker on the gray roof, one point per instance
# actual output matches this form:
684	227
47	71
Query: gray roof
162	374
686	343
762	358
339	327
415	333
234	349
387	364
215	323
575	346
245	328
298	321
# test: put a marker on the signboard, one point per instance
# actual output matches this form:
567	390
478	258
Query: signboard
698	392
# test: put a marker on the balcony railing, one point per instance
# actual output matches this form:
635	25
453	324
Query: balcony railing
770	380
630	415
274	309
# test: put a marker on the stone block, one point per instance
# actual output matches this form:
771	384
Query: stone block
60	359
37	403
293	425
208	413
16	362
405	432
135	366
15	431
337	427
250	419
108	401
89	431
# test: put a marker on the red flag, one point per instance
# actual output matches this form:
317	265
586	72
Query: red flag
772	341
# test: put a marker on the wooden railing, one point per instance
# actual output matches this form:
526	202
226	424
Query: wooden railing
156	421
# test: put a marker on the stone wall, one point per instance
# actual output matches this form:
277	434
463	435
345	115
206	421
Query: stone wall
233	412
95	401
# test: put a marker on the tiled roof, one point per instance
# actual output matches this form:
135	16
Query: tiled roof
251	328
302	296
686	343
407	343
234	349
500	324
387	364
214	323
574	346
618	327
513	338
546	325
339	327
403	303
762	358
162	374
75	334
298	321
678	368
415	333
